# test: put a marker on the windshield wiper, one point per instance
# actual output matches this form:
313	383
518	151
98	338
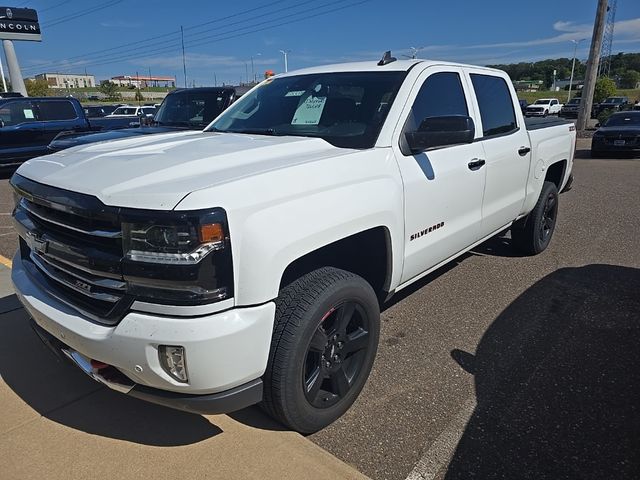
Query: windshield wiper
253	131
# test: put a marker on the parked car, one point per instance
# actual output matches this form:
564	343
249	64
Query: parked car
523	104
27	125
544	107
611	103
208	271
187	108
133	112
98	111
571	108
620	134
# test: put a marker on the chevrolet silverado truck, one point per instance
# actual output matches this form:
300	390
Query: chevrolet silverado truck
247	263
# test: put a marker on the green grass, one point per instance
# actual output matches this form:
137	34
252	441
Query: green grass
531	97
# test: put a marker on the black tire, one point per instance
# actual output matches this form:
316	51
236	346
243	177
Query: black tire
532	234
546	112
326	313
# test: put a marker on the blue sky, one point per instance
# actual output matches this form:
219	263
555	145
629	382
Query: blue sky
120	37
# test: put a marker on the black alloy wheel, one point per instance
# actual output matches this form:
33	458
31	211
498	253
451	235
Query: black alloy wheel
335	354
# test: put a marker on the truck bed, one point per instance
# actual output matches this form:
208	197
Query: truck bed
537	123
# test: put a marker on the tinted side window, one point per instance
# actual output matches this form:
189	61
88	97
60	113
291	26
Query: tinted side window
14	113
56	110
441	94
496	106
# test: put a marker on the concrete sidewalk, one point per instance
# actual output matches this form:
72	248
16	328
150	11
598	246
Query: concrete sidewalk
57	423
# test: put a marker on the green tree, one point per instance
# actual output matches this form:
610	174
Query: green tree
37	88
605	87
110	90
630	79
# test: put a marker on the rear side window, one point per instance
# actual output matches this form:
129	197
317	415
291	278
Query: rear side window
15	113
440	95
496	106
56	110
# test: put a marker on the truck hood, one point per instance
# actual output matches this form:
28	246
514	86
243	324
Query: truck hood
157	171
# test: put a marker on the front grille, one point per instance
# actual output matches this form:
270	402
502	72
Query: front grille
71	244
535	110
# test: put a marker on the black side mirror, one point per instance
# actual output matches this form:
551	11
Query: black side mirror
441	131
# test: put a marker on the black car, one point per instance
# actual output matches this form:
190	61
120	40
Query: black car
98	111
620	134
183	109
571	108
27	125
611	103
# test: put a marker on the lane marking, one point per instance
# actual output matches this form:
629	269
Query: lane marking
438	454
6	262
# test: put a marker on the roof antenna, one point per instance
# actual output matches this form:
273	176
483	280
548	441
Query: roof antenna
386	58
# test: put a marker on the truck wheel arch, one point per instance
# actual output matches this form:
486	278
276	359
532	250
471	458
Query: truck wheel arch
367	253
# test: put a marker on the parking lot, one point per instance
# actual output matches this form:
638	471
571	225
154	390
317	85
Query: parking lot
507	366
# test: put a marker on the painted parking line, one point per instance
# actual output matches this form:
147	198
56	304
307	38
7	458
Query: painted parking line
439	453
6	262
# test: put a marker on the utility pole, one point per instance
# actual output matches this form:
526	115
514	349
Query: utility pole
184	62
584	114
286	65
15	75
573	65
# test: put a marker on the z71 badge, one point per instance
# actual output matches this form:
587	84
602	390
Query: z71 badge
426	230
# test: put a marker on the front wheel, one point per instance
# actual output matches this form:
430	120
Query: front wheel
323	346
532	234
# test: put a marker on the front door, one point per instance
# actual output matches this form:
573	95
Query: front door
443	192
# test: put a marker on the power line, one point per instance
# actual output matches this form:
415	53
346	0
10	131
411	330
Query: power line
234	35
53	6
82	13
150	39
173	44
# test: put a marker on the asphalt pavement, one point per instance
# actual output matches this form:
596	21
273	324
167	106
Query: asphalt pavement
495	366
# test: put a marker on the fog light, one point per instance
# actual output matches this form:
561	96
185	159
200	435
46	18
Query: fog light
173	361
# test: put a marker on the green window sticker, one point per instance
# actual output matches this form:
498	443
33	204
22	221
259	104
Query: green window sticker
28	113
309	110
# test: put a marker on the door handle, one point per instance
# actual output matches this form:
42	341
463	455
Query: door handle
476	163
522	151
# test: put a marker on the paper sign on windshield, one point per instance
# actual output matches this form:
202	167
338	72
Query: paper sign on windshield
309	111
28	113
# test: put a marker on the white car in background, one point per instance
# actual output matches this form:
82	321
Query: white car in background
544	107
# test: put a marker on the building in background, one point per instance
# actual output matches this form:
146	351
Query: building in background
528	85
67	80
144	81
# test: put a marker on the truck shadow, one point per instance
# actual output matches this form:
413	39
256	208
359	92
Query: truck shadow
557	379
60	392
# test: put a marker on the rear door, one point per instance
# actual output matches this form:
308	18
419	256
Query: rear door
20	131
506	147
443	193
57	116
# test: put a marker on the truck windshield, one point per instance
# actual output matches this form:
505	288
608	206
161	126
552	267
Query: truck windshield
613	100
191	109
542	102
346	109
125	111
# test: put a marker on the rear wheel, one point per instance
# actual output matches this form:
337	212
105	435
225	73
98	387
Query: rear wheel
532	234
324	343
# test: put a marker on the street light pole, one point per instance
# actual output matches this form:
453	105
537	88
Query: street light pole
573	65
285	53
253	72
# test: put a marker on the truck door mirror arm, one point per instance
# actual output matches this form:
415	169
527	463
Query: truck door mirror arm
441	131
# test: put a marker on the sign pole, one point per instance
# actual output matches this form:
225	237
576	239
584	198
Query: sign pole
4	82
15	75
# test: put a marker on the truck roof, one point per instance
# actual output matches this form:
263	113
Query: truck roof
372	66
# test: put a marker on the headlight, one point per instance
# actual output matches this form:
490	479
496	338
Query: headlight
181	258
174	244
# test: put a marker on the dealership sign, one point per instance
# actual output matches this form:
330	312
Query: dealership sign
19	24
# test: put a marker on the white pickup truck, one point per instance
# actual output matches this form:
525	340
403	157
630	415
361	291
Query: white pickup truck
543	107
208	271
